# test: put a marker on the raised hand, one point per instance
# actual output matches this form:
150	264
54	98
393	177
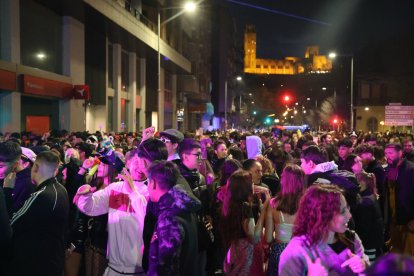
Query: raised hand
84	189
148	133
10	180
127	178
88	163
355	263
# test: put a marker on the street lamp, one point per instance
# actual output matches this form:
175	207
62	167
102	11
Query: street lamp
188	7
332	56
238	79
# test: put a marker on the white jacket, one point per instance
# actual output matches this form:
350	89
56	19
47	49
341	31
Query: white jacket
126	213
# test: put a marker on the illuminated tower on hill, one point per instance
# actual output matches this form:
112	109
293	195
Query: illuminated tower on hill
311	63
250	48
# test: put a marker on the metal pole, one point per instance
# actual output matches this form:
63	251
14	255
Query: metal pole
352	93
225	105
160	108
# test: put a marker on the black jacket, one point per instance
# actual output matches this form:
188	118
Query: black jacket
22	190
38	231
5	230
198	185
151	219
5	234
404	193
376	168
344	179
174	246
368	221
409	156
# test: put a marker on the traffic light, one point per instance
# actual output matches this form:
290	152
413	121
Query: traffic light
254	112
287	97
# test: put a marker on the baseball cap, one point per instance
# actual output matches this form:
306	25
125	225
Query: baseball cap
28	154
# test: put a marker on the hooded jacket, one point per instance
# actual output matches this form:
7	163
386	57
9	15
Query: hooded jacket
328	172
174	245
253	146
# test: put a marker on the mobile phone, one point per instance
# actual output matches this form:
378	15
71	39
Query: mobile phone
260	196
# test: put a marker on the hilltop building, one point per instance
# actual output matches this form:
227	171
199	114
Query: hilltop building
312	62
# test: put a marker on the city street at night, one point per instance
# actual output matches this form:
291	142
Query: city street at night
206	137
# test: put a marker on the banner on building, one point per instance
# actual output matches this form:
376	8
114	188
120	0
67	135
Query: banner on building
81	92
399	115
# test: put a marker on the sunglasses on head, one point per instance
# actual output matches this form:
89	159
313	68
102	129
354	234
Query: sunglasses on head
165	140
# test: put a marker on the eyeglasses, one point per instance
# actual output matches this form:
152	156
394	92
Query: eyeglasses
165	140
199	157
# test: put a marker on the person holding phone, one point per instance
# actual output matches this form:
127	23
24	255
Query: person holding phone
39	226
321	238
125	203
21	188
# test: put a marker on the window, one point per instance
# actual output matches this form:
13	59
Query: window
40	37
110	66
110	114
365	91
124	71
376	91
138	77
167	81
124	114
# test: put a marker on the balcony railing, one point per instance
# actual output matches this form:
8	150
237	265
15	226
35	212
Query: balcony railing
126	4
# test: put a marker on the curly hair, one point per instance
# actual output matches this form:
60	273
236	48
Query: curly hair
369	180
291	189
318	206
267	166
236	206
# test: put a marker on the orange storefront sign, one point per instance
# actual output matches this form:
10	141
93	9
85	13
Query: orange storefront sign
38	124
196	108
45	87
7	80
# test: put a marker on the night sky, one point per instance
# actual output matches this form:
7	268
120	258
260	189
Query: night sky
286	27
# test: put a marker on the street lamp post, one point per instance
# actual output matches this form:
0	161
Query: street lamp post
333	55
225	105
238	79
352	93
190	7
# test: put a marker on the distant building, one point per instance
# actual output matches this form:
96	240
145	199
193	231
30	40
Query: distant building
311	63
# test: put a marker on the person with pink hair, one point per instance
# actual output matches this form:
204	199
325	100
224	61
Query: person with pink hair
321	240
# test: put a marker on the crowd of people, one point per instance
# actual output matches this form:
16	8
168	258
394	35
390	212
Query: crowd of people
230	203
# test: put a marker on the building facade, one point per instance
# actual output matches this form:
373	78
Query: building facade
312	62
109	46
